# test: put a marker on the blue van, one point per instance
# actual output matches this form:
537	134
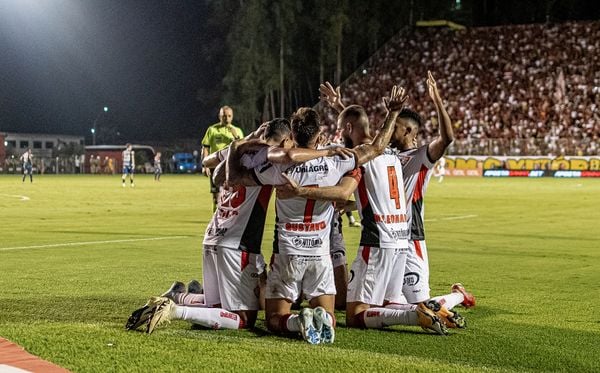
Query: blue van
185	162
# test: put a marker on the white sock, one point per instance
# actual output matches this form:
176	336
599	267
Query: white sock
292	324
378	318
405	307
450	300
190	299
216	318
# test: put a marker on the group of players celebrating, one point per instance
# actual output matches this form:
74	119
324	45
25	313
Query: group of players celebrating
389	279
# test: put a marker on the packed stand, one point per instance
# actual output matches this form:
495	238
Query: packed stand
511	90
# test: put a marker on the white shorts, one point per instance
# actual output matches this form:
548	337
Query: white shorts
294	275
231	278
337	246
416	276
376	276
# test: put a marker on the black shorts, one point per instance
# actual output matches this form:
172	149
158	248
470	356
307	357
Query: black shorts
213	187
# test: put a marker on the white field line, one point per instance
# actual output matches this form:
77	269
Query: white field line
22	198
91	243
460	217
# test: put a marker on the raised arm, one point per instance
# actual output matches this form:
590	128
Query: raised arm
393	104
333	96
338	193
437	147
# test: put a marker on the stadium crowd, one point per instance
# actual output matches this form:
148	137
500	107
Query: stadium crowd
511	90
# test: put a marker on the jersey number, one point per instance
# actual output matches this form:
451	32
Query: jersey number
393	181
310	206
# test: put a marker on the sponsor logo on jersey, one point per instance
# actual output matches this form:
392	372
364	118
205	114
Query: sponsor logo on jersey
217	232
226	214
411	279
311	168
401	234
307	242
305	227
390	219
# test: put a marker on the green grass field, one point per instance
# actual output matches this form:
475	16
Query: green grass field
528	249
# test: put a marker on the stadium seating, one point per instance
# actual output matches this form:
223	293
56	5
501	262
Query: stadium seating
510	90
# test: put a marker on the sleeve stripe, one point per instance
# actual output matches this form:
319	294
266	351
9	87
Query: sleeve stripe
253	173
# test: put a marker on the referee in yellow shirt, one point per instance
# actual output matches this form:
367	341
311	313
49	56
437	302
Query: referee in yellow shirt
217	137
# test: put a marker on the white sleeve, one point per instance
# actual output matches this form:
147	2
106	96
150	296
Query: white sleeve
270	174
344	165
223	154
424	157
252	160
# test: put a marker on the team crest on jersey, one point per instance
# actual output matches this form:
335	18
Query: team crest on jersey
404	159
411	279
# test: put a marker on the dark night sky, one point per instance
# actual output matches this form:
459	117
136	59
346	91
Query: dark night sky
61	61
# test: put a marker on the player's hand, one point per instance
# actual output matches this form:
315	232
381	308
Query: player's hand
396	100
342	151
288	190
333	96
206	171
432	89
260	130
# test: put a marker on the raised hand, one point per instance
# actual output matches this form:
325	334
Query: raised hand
432	88
396	100
260	130
333	96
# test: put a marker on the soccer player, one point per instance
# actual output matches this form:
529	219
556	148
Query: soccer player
217	137
301	262
157	166
418	165
232	264
27	160
128	164
378	271
439	169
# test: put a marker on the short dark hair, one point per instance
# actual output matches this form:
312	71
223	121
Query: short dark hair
305	125
412	115
278	129
358	113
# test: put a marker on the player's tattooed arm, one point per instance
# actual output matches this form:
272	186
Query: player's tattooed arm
333	96
393	104
437	147
339	193
300	155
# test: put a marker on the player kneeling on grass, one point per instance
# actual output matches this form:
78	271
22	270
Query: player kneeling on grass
379	267
233	267
301	263
417	166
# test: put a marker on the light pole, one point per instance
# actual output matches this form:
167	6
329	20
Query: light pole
105	109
